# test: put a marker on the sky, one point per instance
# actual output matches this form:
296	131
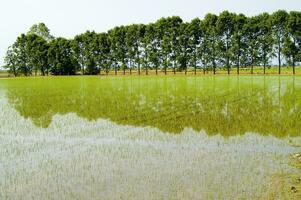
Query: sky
67	18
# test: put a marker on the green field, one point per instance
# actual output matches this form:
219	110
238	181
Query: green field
155	137
219	105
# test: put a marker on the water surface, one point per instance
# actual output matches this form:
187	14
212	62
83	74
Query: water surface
148	137
219	105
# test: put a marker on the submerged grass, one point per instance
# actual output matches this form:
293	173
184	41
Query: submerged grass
55	143
219	105
79	159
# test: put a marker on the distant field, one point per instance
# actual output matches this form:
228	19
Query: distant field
256	70
3	73
233	71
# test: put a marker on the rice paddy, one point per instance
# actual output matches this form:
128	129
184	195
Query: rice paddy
212	137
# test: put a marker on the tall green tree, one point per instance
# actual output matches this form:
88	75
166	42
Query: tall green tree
118	47
20	52
85	48
103	58
61	57
238	41
292	43
168	37
151	46
278	22
134	42
226	28
210	55
37	49
184	47
265	39
252	33
11	61
195	33
41	30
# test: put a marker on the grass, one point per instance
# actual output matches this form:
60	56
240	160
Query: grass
219	105
288	185
79	159
165	137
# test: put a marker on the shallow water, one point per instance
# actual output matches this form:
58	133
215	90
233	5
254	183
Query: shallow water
113	138
219	105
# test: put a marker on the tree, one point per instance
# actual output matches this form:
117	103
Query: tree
216	41
37	49
225	27
118	47
21	50
41	30
292	41
184	47
252	33
85	49
195	33
167	30
174	31
61	57
103	58
10	60
151	46
211	41
134	40
238	40
278	21
265	39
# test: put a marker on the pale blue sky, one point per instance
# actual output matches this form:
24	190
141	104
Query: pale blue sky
69	17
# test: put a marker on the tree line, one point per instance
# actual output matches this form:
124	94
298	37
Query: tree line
228	41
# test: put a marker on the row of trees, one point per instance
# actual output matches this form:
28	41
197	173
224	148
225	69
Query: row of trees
226	41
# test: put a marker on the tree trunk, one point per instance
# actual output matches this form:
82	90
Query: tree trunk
174	68
42	71
279	59
194	64
228	65
83	68
214	70
15	72
294	66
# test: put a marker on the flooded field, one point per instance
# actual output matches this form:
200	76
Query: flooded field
223	137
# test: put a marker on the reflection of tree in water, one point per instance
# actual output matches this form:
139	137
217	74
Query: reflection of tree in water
229	106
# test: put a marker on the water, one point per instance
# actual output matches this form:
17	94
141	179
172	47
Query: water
148	138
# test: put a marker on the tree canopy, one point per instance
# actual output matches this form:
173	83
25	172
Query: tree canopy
226	41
